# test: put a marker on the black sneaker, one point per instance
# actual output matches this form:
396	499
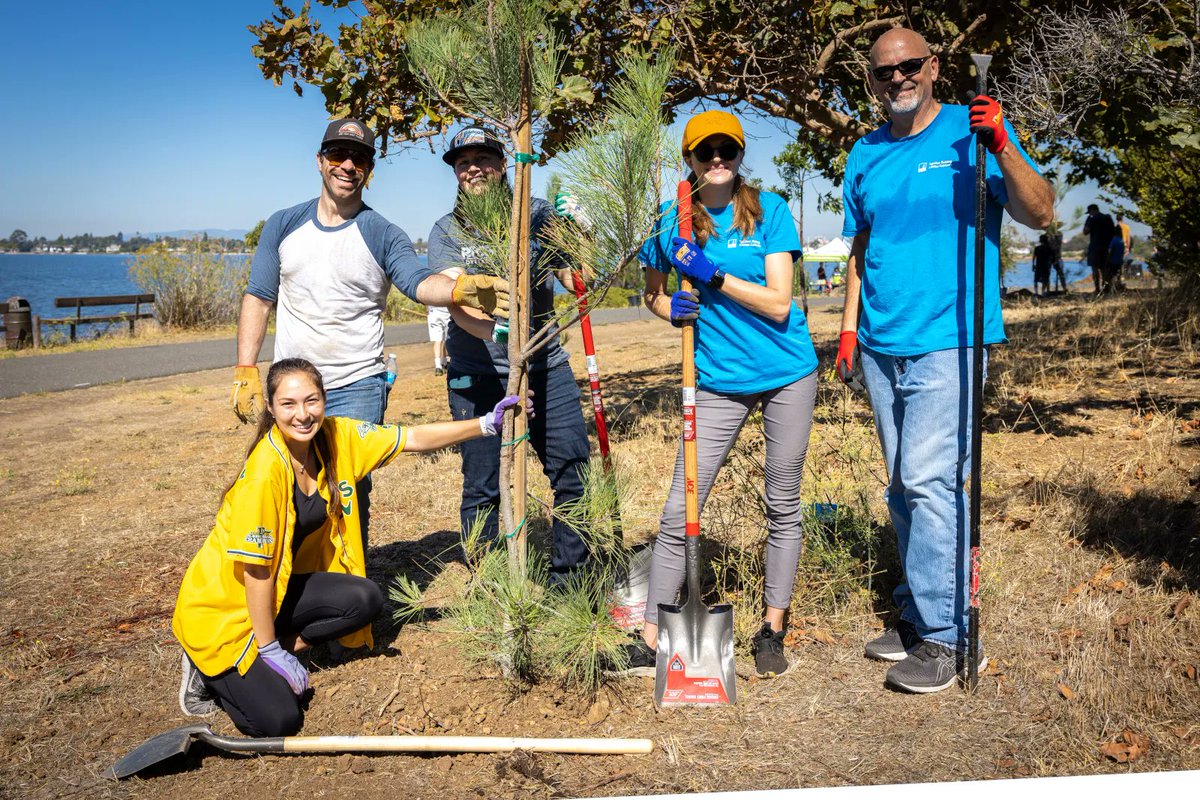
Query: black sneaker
931	667
769	660
195	698
895	644
438	371
639	657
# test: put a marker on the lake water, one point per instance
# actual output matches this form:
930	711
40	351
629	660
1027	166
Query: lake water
41	278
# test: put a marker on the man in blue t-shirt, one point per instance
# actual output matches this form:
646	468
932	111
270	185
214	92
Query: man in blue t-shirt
909	195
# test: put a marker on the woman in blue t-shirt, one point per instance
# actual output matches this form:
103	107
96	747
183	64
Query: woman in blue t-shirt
752	349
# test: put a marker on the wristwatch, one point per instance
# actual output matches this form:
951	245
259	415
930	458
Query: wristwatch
717	280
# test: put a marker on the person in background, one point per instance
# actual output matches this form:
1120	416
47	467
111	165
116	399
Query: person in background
1112	269
284	566
438	320
325	266
1043	258
1099	228
914	338
1054	238
479	365
1127	241
822	280
753	351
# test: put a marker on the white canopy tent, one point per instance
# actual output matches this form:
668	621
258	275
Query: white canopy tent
834	252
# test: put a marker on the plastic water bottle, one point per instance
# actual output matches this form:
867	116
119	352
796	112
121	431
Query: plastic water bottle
391	369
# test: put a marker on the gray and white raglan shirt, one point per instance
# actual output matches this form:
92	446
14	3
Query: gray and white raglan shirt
330	287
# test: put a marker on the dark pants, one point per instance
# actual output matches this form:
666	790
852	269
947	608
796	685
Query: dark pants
320	607
558	436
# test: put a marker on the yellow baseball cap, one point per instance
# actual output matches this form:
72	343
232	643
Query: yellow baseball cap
710	123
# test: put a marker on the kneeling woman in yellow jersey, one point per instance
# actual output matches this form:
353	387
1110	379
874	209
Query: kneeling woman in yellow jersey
283	568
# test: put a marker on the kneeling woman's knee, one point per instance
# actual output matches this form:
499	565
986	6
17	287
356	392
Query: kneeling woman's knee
279	720
372	600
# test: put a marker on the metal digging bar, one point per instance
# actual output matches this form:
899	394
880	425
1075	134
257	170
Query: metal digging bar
176	742
981	68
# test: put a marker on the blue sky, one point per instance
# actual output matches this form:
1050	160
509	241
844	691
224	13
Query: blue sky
151	116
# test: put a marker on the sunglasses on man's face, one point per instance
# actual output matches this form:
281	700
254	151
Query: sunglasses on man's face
728	151
907	67
336	155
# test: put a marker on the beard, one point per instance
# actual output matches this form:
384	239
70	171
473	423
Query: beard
906	105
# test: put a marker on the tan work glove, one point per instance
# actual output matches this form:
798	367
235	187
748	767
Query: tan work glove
247	397
486	292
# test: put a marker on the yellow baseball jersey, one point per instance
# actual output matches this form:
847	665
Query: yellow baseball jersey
254	526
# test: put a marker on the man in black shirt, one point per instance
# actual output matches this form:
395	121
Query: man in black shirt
1099	229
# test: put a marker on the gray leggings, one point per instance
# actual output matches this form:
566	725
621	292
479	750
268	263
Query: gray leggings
787	420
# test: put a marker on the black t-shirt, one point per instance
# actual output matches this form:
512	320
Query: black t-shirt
1043	258
1100	233
474	356
311	513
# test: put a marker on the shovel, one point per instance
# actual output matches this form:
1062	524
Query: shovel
695	643
176	742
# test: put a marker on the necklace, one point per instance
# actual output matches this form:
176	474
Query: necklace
303	465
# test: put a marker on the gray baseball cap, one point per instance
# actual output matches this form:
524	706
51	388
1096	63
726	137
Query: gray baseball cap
473	136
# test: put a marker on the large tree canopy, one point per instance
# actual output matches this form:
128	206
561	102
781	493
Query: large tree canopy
801	61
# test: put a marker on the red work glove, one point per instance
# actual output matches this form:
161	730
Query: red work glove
987	122
844	365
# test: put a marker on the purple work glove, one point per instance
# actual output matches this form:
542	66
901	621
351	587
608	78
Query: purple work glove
691	261
492	422
286	665
685	307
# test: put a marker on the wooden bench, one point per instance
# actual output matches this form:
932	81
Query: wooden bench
80	303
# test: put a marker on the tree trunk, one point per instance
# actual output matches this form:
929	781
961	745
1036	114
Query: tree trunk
514	460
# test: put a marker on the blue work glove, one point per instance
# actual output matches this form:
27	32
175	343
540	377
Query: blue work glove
685	307
492	422
691	261
284	663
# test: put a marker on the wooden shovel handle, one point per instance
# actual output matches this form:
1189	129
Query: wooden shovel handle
691	470
462	744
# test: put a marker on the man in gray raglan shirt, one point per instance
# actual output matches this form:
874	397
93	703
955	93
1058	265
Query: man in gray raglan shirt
326	266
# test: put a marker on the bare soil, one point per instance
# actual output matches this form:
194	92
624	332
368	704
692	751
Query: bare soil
1091	612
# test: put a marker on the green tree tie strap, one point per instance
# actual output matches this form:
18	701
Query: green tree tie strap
517	530
525	158
517	440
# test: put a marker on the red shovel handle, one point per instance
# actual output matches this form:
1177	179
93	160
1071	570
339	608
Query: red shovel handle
593	368
691	470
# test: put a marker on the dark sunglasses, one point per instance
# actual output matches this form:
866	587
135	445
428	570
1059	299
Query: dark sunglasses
727	151
907	67
336	155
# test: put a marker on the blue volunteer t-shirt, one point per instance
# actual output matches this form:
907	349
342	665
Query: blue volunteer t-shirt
916	196
737	350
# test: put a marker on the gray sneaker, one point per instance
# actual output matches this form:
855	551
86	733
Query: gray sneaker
895	644
931	667
195	698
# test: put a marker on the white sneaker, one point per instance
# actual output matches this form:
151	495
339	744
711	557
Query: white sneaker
195	698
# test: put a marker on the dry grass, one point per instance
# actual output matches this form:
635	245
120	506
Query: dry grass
1090	569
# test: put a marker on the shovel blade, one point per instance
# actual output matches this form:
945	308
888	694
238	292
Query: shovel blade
695	655
161	747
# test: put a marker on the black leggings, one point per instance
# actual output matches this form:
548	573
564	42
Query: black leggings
320	607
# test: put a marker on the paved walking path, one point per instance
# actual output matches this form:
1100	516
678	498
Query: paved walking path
61	371
57	372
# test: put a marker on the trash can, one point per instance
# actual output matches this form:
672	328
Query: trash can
18	323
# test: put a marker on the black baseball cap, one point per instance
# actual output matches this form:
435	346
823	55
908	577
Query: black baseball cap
349	131
473	136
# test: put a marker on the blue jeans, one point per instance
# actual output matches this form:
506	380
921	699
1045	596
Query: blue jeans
365	399
558	436
921	406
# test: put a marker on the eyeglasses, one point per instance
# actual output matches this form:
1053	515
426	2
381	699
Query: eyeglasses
336	155
727	151
907	67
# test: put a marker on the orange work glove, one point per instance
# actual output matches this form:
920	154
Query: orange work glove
247	397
